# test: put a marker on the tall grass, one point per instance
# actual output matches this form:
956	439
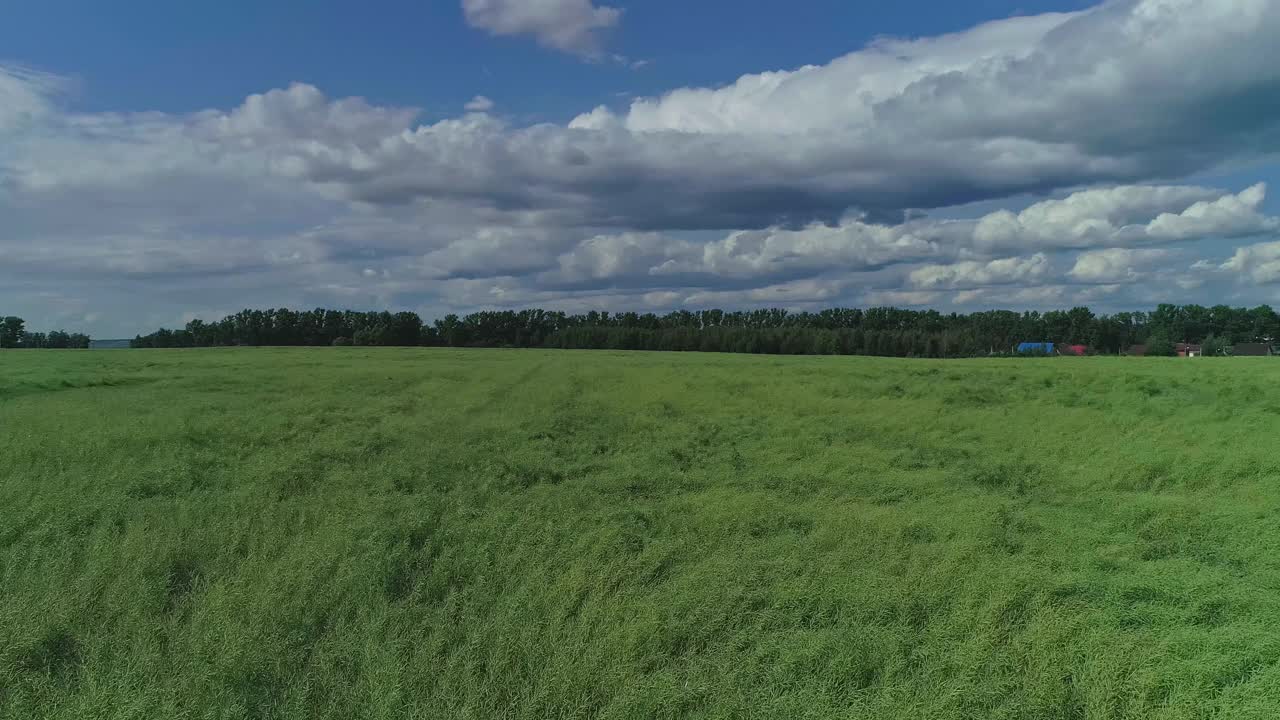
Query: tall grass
346	533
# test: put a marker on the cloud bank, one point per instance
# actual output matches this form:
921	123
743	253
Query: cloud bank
832	184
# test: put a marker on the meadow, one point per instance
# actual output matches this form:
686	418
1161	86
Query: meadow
419	533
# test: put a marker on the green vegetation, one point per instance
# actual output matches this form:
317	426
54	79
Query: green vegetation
878	332
1159	345
14	335
362	533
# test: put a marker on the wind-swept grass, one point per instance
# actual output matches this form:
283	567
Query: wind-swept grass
347	533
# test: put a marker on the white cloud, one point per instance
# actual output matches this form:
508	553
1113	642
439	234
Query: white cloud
1009	107
493	252
1084	219
901	298
810	292
1188	282
965	252
853	244
972	274
1041	296
608	257
1006	107
572	26
1258	263
1119	216
1116	265
25	97
999	76
479	104
841	96
1020	105
1230	216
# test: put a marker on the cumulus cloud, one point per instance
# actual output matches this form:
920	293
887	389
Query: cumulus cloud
572	26
1021	105
1227	216
1054	296
972	274
852	245
493	252
614	257
1116	216
956	253
1007	107
1116	265
764	103
1258	263
479	104
1084	219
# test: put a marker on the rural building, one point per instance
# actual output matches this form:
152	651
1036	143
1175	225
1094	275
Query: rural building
1036	347
1251	349
1080	350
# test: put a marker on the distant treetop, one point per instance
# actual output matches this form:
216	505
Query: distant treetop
15	336
875	331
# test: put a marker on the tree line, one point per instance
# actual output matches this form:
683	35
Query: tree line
15	336
883	331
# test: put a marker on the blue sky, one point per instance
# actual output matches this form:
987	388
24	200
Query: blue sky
176	57
163	161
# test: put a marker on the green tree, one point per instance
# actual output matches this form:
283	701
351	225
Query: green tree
11	329
1082	324
1214	346
1159	344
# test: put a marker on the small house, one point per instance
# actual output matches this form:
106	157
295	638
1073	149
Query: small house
1251	350
1035	348
1188	350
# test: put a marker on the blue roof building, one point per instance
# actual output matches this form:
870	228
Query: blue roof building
1040	347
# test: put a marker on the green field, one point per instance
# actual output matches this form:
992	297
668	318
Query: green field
349	533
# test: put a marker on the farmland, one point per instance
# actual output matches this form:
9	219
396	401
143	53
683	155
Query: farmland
430	533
